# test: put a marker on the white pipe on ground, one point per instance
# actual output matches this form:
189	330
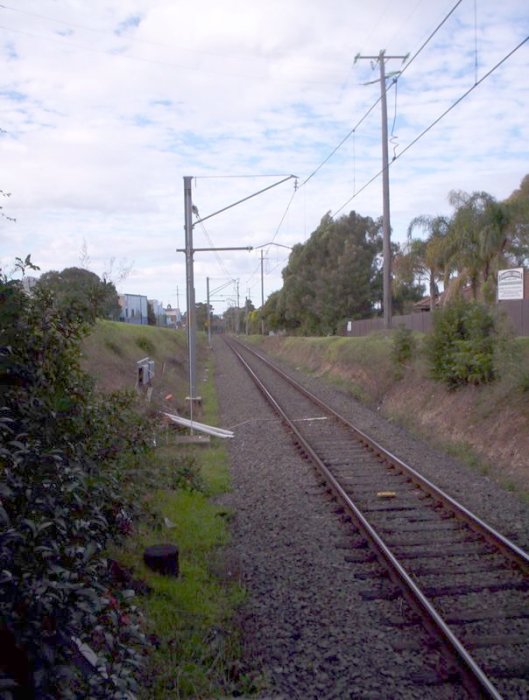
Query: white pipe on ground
201	427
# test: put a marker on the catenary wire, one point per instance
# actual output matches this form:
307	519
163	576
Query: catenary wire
285	212
436	121
412	59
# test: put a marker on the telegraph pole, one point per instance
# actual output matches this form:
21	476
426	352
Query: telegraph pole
386	247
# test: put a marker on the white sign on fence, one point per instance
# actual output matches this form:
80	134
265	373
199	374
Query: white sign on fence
510	284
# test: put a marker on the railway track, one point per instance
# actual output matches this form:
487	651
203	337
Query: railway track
468	583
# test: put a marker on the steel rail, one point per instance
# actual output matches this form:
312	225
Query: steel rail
499	541
474	679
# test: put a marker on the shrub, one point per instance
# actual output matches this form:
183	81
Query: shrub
146	344
186	474
462	344
65	461
403	346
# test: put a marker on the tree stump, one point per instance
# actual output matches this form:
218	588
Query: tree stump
162	558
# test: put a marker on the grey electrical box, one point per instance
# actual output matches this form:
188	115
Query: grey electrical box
145	371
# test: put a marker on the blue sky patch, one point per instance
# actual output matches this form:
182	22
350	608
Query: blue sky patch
130	23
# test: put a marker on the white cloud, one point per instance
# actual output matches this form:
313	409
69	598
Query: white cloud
107	105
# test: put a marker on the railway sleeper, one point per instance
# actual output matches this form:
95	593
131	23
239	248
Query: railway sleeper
462	589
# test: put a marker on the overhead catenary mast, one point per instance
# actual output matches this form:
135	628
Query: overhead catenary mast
386	272
190	250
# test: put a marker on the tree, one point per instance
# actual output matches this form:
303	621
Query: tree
83	292
427	257
151	316
273	312
335	275
67	459
407	283
519	234
478	243
232	319
201	311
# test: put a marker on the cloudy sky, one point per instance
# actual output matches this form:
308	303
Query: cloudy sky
105	107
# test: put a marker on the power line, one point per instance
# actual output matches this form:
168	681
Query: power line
224	177
286	211
431	36
460	99
346	137
436	121
408	64
219	259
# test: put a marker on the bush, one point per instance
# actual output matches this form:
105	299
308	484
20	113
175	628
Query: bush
461	347
404	346
146	344
66	455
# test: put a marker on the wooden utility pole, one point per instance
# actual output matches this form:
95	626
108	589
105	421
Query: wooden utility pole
386	271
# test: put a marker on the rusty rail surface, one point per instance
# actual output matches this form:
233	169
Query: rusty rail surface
473	677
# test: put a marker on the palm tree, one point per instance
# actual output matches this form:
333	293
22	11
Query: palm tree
479	240
428	257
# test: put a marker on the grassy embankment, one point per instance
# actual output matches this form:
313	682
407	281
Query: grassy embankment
485	426
198	651
189	617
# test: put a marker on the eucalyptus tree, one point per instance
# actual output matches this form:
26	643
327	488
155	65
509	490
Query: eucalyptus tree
82	292
335	275
519	243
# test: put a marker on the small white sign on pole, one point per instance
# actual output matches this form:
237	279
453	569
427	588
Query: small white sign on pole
510	284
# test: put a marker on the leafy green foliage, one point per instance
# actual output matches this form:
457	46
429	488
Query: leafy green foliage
66	460
145	344
404	346
82	292
151	316
462	344
334	276
186	474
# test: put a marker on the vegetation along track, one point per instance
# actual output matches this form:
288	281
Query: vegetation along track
469	584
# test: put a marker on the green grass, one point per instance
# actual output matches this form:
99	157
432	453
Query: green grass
191	616
111	351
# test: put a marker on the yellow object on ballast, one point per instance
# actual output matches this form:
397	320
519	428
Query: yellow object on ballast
386	494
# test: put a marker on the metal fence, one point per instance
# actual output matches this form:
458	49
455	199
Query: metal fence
517	313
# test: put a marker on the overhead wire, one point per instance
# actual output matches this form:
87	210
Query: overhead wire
464	95
219	259
345	138
430	37
224	177
286	210
436	121
364	117
352	132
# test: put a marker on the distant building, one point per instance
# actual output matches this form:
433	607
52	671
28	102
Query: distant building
173	317
158	311
133	309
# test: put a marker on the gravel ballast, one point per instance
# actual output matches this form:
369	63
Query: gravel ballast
321	619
